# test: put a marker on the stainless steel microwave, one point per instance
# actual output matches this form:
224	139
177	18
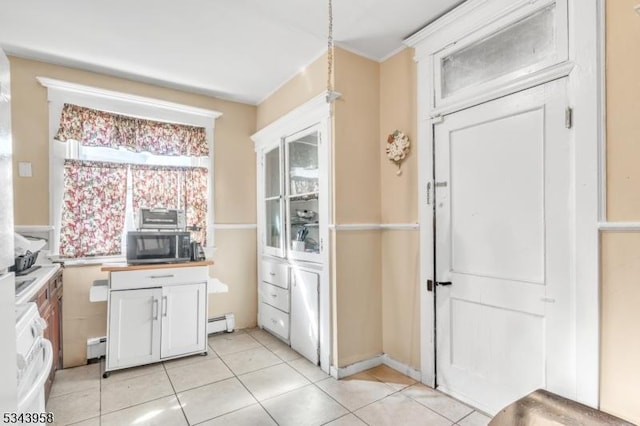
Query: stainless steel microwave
158	247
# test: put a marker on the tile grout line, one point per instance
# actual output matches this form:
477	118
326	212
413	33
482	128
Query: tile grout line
247	389
175	394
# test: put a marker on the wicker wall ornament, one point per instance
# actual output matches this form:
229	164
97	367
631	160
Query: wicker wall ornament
398	146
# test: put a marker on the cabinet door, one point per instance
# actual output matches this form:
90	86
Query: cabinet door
304	314
134	327
303	195
184	319
273	203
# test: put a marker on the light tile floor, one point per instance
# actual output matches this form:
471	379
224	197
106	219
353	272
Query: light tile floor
249	378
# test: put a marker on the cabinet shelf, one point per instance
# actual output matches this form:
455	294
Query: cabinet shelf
307	224
303	197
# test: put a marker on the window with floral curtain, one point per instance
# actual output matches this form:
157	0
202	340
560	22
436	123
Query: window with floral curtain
93	209
96	212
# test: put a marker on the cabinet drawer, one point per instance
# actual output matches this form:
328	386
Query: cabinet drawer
274	296
274	320
275	273
150	278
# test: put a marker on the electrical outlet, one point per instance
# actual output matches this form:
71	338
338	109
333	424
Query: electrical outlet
24	169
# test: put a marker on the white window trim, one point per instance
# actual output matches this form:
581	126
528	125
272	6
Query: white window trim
60	92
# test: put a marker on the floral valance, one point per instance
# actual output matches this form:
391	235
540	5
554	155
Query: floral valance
91	127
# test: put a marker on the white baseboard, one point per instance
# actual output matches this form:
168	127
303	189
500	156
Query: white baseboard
360	366
402	368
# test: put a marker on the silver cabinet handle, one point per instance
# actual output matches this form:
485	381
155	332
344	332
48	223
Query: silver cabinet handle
274	321
164	306
154	277
274	295
273	274
155	309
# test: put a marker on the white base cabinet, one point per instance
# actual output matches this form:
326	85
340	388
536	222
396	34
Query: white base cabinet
305	314
134	329
289	306
149	324
184	320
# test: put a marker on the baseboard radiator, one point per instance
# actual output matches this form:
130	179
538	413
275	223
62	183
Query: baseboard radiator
97	346
225	323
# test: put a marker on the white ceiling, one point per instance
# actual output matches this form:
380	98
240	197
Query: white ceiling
240	50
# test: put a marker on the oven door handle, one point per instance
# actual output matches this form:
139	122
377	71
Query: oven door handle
42	376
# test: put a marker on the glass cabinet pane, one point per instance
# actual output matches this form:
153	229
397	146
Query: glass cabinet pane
274	212
303	165
273	223
302	206
272	173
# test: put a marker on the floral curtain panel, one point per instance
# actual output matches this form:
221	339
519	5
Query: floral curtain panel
195	200
93	209
155	186
91	127
173	187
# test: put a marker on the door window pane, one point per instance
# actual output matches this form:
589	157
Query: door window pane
517	47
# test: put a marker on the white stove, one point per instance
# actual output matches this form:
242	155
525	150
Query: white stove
34	358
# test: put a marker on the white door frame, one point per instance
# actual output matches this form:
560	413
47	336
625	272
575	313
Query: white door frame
585	71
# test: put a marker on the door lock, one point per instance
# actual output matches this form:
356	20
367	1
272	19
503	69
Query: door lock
442	283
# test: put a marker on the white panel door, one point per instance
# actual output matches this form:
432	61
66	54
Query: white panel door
134	328
304	314
503	257
184	319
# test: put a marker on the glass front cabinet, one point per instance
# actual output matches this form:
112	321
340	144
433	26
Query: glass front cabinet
293	202
292	197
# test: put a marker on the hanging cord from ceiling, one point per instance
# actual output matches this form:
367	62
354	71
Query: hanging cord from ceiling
331	94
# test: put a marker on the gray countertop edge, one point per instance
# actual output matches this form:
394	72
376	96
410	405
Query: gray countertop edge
35	286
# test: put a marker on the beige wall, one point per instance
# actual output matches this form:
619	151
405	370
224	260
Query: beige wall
309	82
623	105
81	319
620	264
356	154
620	320
358	309
399	204
356	199
234	189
